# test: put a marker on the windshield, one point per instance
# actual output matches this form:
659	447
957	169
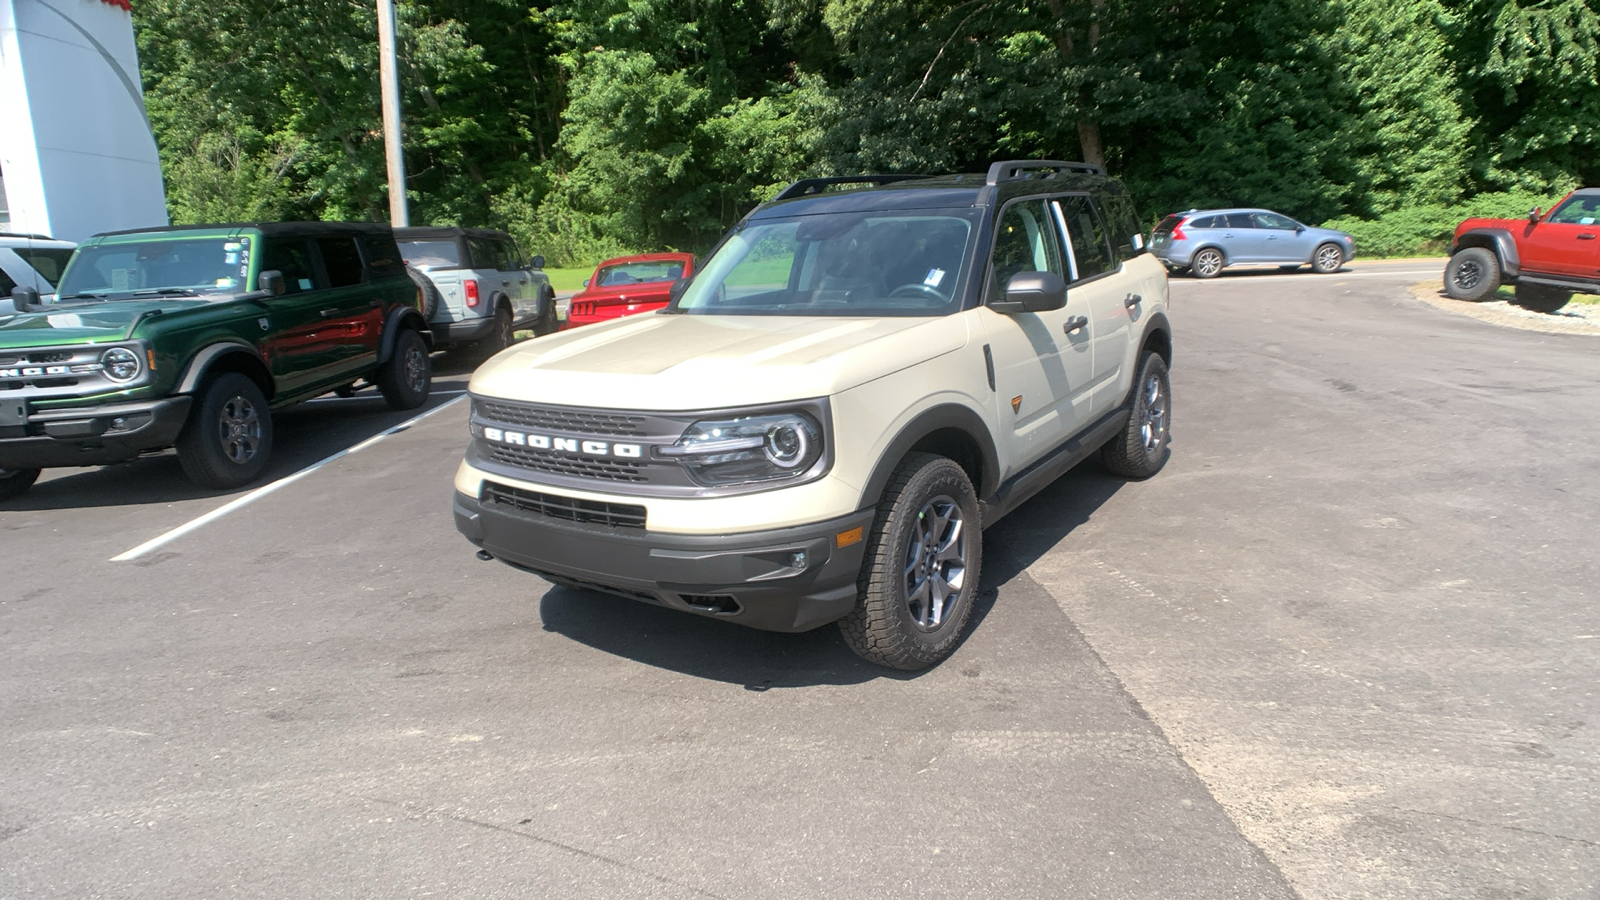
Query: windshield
841	264
431	254
179	267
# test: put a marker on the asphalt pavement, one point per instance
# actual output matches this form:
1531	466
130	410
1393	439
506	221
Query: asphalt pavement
1345	645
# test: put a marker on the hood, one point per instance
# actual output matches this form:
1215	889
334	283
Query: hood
1515	226
690	362
84	323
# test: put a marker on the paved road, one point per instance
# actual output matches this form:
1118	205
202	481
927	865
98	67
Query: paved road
1344	646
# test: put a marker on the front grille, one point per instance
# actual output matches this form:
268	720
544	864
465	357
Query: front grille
558	419
570	509
625	471
37	359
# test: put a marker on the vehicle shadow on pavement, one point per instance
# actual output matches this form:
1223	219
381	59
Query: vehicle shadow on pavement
761	660
302	435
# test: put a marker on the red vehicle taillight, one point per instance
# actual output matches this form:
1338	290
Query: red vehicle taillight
471	287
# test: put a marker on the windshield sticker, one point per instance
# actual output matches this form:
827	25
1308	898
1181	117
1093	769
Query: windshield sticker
934	277
225	282
122	279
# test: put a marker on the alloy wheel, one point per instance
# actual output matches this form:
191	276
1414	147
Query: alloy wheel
1468	275
416	369
1330	259
1207	263
239	427
936	562
1153	429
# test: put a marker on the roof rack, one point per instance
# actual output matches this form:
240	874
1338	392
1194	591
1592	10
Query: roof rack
1018	169
807	186
36	237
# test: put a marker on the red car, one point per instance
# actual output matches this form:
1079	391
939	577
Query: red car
627	285
1547	256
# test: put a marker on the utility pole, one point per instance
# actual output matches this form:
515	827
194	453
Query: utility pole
393	152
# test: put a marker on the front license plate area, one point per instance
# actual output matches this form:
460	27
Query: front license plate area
13	412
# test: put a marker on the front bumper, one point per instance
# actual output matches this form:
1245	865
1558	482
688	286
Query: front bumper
787	579
93	435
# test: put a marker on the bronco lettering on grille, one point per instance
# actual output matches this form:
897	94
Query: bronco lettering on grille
35	371
563	445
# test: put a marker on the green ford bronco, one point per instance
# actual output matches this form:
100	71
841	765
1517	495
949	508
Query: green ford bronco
190	337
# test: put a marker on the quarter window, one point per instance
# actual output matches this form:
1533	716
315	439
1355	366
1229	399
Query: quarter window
49	262
1024	242
341	260
1086	238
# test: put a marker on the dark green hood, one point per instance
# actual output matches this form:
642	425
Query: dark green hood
84	323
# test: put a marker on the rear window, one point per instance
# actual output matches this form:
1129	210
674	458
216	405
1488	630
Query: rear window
1167	225
639	273
431	254
49	262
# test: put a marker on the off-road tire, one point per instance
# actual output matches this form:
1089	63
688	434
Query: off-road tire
429	291
228	438
13	482
1327	259
882	627
406	376
500	337
547	323
1207	262
1541	297
1144	444
1472	274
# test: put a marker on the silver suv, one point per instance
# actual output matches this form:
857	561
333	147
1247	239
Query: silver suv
32	260
1205	241
477	287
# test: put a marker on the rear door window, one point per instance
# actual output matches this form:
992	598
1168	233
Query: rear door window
483	252
1086	237
49	262
341	260
1240	220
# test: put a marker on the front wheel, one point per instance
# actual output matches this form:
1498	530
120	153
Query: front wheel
226	442
1207	263
1541	298
1327	260
920	574
1472	274
14	481
1142	448
547	323
405	378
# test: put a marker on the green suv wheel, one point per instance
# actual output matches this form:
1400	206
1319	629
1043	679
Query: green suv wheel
405	378
226	442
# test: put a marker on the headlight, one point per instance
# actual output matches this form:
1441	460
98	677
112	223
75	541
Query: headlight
121	364
749	449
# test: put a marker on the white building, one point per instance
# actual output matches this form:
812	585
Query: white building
76	152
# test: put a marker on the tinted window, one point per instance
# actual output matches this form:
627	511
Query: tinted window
1578	211
340	260
432	254
1086	238
1024	241
6	284
1168	224
1207	222
292	257
1127	232
506	258
383	257
1273	220
1239	220
49	262
483	253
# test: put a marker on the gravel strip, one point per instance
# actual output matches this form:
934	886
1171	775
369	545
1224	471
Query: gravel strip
1574	318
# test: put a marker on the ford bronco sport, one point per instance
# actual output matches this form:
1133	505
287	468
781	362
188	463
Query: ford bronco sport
1549	257
822	422
191	336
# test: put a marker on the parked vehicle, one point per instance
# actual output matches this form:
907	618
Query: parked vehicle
192	337
819	427
1206	241
32	260
1547	256
627	285
477	286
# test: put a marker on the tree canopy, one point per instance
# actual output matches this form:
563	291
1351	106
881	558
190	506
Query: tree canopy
589	128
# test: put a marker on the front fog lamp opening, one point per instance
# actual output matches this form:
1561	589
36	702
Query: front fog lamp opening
120	364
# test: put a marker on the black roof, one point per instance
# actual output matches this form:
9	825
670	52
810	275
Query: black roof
444	233
1003	181
271	229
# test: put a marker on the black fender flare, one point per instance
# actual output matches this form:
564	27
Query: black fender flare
1498	241
1158	324
399	320
201	363
936	418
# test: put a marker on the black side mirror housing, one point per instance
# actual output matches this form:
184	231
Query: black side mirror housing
271	283
25	298
538	261
1031	292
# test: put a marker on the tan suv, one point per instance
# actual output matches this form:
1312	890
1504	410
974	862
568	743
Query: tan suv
865	373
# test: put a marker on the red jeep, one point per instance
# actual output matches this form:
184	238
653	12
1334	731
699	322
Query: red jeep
1548	257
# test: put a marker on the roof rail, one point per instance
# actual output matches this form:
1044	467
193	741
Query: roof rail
1017	169
817	185
36	237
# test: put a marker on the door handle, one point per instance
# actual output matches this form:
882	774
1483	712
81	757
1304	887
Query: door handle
506	283
330	312
1586	236
1132	300
1074	323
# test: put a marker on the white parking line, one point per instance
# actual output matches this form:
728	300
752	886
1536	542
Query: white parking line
266	489
374	396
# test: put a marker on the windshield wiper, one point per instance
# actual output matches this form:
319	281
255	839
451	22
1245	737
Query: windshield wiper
82	297
169	292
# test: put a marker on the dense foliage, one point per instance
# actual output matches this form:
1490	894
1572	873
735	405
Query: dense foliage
607	125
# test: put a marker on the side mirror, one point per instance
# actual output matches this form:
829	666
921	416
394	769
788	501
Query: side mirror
25	298
1028	292
537	261
677	289
586	282
1534	214
271	283
1299	229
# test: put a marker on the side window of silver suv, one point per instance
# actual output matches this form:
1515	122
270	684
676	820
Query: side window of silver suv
1024	241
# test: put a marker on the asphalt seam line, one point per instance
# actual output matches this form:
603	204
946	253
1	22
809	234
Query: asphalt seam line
264	490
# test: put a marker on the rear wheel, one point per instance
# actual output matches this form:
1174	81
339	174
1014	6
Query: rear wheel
547	323
226	442
405	378
920	574
1327	260
1142	448
1541	298
1472	274
500	337
1206	263
14	481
